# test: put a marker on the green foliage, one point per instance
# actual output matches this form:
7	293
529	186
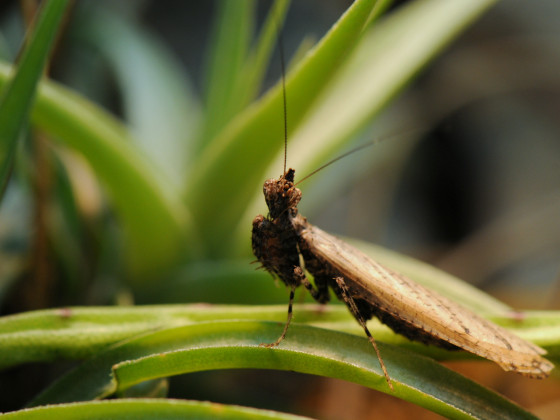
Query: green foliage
17	98
183	176
81	333
170	340
147	409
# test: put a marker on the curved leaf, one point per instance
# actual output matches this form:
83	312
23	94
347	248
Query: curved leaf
229	170
159	102
147	204
149	409
223	345
389	54
78	333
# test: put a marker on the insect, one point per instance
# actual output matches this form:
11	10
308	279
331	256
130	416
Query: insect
370	289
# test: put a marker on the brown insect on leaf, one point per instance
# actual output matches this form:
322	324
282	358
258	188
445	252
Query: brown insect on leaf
370	289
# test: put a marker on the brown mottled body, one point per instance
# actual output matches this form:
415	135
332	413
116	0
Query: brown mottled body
370	289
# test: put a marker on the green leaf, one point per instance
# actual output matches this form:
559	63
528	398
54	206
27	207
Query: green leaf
147	204
18	96
224	345
79	333
228	48
158	99
254	69
390	53
148	409
230	170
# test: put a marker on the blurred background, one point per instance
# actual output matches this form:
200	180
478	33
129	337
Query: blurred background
476	195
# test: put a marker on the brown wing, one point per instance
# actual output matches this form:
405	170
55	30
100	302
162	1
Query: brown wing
424	309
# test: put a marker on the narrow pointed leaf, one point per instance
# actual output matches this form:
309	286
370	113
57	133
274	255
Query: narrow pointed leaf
390	54
229	47
17	98
244	148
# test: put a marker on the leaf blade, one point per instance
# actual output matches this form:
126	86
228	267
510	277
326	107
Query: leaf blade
18	97
256	135
236	345
144	408
79	333
146	202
